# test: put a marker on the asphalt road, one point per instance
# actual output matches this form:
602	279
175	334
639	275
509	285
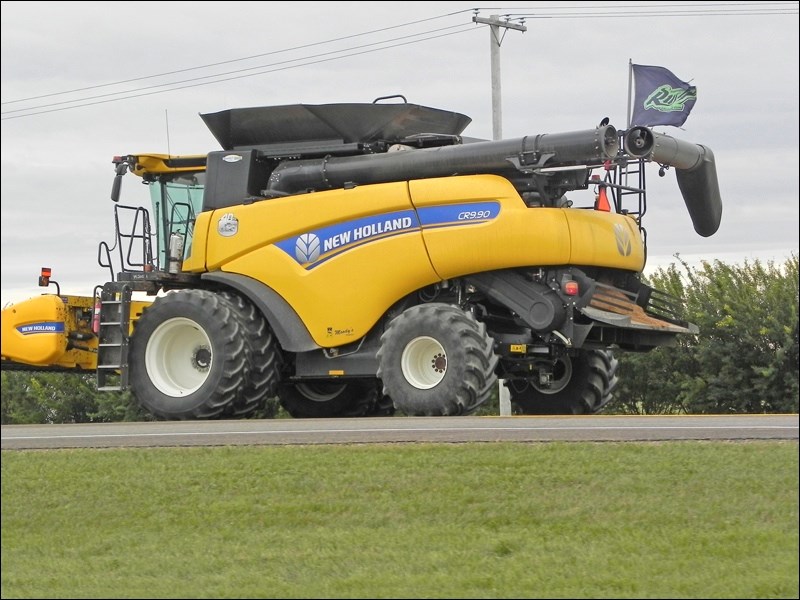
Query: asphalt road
384	430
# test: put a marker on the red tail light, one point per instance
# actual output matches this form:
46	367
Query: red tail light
570	288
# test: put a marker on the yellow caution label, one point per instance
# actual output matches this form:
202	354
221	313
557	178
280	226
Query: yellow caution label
518	348
336	373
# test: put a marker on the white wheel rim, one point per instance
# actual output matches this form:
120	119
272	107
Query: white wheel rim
424	362
562	374
178	357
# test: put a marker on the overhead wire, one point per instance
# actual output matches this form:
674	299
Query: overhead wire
206	77
234	60
283	68
560	12
651	6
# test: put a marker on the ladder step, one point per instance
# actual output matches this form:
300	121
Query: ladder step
114	331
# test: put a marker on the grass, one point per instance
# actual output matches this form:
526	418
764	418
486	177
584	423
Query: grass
559	520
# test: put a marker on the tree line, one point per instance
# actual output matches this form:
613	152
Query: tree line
744	360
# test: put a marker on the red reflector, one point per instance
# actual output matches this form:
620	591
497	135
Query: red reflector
46	271
571	288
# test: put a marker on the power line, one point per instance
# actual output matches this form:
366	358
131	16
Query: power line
234	60
560	12
312	62
748	12
205	77
594	6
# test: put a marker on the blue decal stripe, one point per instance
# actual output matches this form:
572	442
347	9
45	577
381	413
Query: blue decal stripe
44	327
312	248
461	214
326	257
455	224
317	246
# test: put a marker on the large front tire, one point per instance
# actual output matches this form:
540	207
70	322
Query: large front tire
437	359
187	356
581	384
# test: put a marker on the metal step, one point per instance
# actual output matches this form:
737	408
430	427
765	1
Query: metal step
112	350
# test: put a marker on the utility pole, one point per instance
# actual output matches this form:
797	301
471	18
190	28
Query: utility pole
495	39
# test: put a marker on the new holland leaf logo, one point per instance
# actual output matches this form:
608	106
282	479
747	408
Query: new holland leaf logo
306	248
624	246
666	98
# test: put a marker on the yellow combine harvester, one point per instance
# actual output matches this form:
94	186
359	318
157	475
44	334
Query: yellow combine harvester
356	258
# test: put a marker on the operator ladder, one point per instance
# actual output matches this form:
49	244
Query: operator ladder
112	351
635	188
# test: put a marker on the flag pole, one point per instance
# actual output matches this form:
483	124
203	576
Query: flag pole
630	77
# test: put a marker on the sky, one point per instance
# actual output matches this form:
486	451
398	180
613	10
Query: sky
85	81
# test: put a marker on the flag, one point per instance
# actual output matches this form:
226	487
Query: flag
660	98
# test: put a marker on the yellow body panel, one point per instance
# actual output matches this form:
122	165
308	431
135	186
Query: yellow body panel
362	270
512	235
342	299
196	261
160	163
35	332
604	239
341	258
519	236
263	223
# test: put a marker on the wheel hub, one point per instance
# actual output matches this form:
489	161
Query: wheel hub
424	362
553	376
201	358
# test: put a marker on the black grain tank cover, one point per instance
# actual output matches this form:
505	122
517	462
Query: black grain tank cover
280	126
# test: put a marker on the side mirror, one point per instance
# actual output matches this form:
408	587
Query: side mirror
122	168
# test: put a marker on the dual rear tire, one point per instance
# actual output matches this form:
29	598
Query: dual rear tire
197	354
581	384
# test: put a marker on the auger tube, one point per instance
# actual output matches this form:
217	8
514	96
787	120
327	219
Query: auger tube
592	146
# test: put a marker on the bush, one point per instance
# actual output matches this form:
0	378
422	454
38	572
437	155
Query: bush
745	359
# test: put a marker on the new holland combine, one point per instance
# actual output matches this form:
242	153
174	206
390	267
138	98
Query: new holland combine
354	259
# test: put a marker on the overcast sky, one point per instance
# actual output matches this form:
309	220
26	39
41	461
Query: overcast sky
565	73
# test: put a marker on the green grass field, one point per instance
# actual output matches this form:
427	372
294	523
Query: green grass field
500	520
